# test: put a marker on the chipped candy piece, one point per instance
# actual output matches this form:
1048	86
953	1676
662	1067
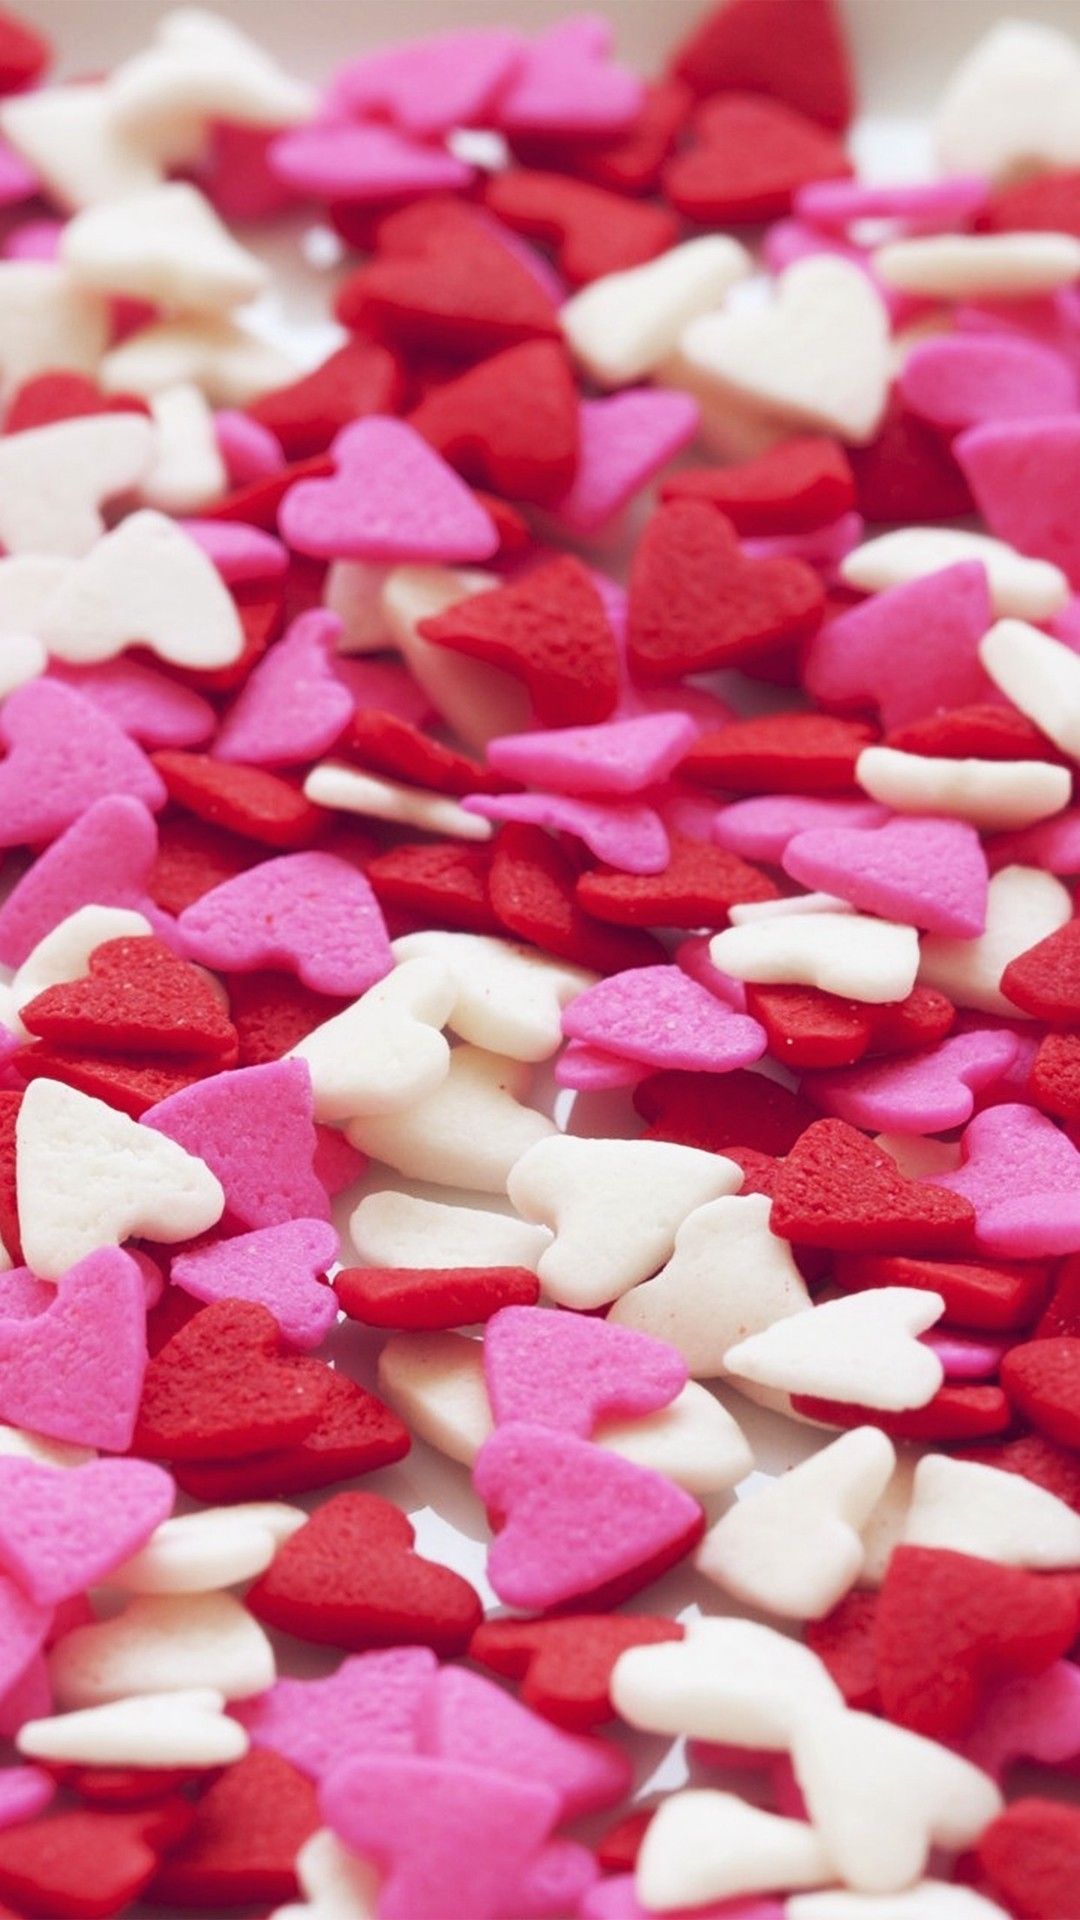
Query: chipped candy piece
468	1132
704	1846
312	913
432	1297
864	1349
565	1665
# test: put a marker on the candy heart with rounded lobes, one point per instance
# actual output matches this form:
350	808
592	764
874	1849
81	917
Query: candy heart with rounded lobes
74	1371
1038	675
231	365
293	706
568	84
930	872
926	1092
661	1017
1011	106
848	954
1020	588
342	788
568	1371
166	246
144	584
623	326
926	1900
818	357
436	1380
48	321
202	1552
163	1643
428	87
1024	905
54	481
626	438
470	1131
702	1846
616	757
615	1207
909	649
391	497
863	1349
106	856
976	1509
880	1798
199	69
1022	1176
391	1229
464	1716
184	1729
507	998
44	787
62	1531
64	954
88	1177
385	1051
989	794
477	701
70	139
311	913
369	1704
794	1546
728	1277
277	1266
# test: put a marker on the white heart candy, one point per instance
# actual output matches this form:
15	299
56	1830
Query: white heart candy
620	327
1026	589
702	1846
188	1728
47	320
145	584
165	245
843	953
468	1132
818	357
200	69
401	1230
995	1516
187	472
1013	105
164	1643
508	998
927	1900
615	1206
202	1552
794	1546
386	1050
1039	675
50	1453
69	136
732	1681
727	1278
232	365
989	794
862	1349
89	1177
345	789
354	591
54	481
335	1884
1023	906
880	1797
885	1527
694	1441
983	266
477	701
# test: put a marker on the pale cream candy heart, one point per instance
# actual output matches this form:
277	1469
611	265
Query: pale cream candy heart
187	472
701	1846
1038	675
49	1453
880	1797
202	1552
232	365
993	795
733	1681
22	658
391	1229
1020	588
345	789
200	69
745	912
48	320
188	1728
385	1051
863	1348
64	954
508	998
28	582
695	1441
728	427
728	1277
468	1132
353	589
335	1884
476	701
69	136
1023	906
89	1177
620	328
1013	105
615	1207
794	1547
982	266
927	1900
145	584
165	245
164	1643
818	357
993	1515
54	481
848	954
885	1528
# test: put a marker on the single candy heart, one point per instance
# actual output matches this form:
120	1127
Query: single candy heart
166	246
1030	1852
356	163
868	960
151	709
254	1129
593	232
202	1552
468	1132
864	1349
885	871
1021	589
135	996
148	1731
74	1371
922	1092
391	498
968	381
704	1846
44	788
734	47
106	857
1043	979
1009	104
568	83
432	1297
619	758
1038	1210
293	707
279	1267
837	1189
749	158
659	1016
628	834
504	997
312	913
64	1531
241	1845
371	1704
477	425
554	1370
626	440
353	1433
144	584
465	1717
221	1386
51	1862
433	85
55	480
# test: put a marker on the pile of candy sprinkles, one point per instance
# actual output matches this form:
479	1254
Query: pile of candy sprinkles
537	928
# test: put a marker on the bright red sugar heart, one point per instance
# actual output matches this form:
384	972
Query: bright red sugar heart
748	158
845	1641
717	1111
565	1664
1042	1379
696	889
779	753
792	488
793	50
353	1434
1044	980
478	423
243	1841
837	1189
247	800
138	995
223	1385
1031	1856
405	752
85	1863
533	881
432	1297
593	232
989	1297
362	377
442	883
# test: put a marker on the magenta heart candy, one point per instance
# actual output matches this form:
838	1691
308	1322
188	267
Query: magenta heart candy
568	1371
391	498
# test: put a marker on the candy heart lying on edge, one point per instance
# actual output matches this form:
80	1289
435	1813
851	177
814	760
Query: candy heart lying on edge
696	1066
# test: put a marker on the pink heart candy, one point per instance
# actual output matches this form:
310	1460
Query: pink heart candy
17	180
339	160
311	913
555	1881
931	873
627	834
149	707
964	1357
925	1092
275	1266
24	1624
105	859
568	83
429	87
465	1717
1051	844
24	1791
75	1370
239	552
574	1519
255	1130
62	1529
925	206
370	1705
1034	1718
392	498
44	786
760	828
384	684
625	441
1024	475
615	1899
1022	1176
967	380
250	451
293	706
664	1018
568	1371
479	1832
337	1163
591	1070
618	757
694	958
910	650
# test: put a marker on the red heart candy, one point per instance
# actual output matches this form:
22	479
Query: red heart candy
132	1086
845	1641
794	50
808	1028
973	733
1047	203
247	800
908	474
629	163
273	1012
82	1864
954	1413
837	1189
565	1665
193	858
980	1296
24	53
748	159
354	1434
792	488
698	886
779	753
361	377
222	1385
243	1841
478	423
593	232
432	1297
715	1111
1031	1856
350	1578
1054	1083
1044	980
444	884
1042	1379
533	881
137	995
395	747
59	395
